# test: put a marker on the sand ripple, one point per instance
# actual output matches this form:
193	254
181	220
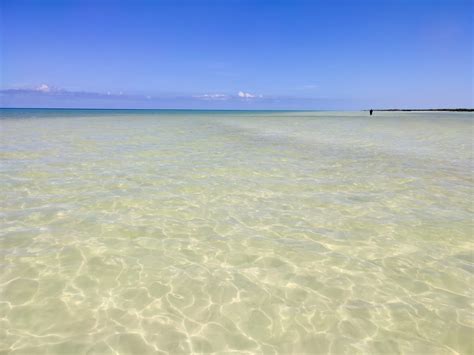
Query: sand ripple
248	233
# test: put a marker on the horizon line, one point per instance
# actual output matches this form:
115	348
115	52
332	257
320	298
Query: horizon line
155	109
461	109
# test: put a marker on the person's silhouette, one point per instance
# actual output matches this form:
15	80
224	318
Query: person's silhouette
371	112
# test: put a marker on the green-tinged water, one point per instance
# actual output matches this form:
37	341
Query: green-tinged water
249	232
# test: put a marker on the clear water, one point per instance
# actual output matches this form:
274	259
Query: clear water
248	232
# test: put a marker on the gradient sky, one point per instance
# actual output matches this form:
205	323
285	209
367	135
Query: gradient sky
316	54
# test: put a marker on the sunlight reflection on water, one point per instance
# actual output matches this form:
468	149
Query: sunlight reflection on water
270	232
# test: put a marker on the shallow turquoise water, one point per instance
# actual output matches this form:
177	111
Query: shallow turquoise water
274	232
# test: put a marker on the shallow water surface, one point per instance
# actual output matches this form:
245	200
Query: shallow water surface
251	232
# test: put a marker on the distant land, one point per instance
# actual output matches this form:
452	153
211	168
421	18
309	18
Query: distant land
428	109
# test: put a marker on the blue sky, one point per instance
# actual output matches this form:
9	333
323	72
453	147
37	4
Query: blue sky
294	54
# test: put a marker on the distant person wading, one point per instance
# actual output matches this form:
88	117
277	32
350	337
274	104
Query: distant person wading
371	112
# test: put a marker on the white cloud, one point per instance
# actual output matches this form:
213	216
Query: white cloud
240	94
212	97
43	88
247	95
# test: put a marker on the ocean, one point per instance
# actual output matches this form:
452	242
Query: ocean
129	231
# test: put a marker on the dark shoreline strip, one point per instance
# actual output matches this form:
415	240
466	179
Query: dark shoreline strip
427	109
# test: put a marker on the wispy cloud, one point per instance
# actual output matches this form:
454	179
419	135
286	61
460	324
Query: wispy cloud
247	95
45	95
44	88
212	97
50	91
240	95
